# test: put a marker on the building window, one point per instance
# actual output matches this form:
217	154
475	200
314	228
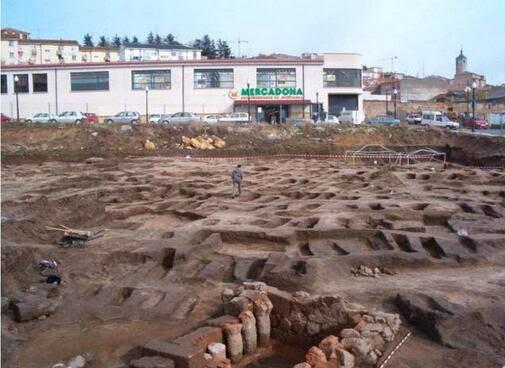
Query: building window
22	85
89	81
4	83
11	55
273	78
213	78
74	57
39	82
11	43
154	79
342	77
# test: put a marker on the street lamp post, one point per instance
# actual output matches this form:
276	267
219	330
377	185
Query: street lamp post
16	89
248	102
387	107
474	86
395	93
147	104
467	93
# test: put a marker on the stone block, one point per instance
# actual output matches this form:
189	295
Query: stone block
221	321
345	358
349	332
217	350
152	362
184	356
281	301
313	328
237	305
201	337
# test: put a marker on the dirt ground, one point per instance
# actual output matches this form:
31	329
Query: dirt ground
175	237
22	143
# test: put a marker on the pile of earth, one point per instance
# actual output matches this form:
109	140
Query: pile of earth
28	142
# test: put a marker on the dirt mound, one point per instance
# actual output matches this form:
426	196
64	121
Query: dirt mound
455	325
24	143
26	221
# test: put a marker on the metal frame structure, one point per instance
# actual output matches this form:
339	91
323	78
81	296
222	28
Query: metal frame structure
380	152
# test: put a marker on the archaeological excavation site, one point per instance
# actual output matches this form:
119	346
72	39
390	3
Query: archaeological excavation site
352	248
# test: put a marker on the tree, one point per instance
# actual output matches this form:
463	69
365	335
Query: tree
197	44
223	50
208	47
150	38
135	40
157	40
116	41
103	42
169	39
126	41
88	40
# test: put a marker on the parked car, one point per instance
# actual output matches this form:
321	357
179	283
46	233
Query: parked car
212	119
5	119
436	118
386	120
350	117
91	118
154	118
124	117
477	123
414	118
69	117
42	117
181	117
331	119
236	117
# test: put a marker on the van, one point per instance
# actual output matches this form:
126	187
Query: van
436	118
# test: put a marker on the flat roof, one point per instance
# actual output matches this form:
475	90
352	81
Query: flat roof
30	41
172	46
124	64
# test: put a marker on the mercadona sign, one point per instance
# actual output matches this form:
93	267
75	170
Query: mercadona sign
267	94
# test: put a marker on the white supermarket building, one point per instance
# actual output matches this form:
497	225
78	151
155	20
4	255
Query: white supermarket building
279	88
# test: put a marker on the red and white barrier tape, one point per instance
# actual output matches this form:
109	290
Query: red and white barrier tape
332	156
395	350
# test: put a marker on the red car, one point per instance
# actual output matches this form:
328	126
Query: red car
91	118
5	118
477	123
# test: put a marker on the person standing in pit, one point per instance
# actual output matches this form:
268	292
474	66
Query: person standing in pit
236	178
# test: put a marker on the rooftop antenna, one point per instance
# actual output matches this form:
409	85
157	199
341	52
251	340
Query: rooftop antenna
238	42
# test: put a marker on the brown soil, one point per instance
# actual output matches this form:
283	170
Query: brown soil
176	237
23	143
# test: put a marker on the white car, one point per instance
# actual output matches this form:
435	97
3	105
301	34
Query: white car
436	118
236	117
70	117
350	117
212	119
331	119
42	117
181	117
154	118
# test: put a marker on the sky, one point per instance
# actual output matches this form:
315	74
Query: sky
424	35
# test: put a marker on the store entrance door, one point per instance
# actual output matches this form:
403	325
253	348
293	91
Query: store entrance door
274	114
